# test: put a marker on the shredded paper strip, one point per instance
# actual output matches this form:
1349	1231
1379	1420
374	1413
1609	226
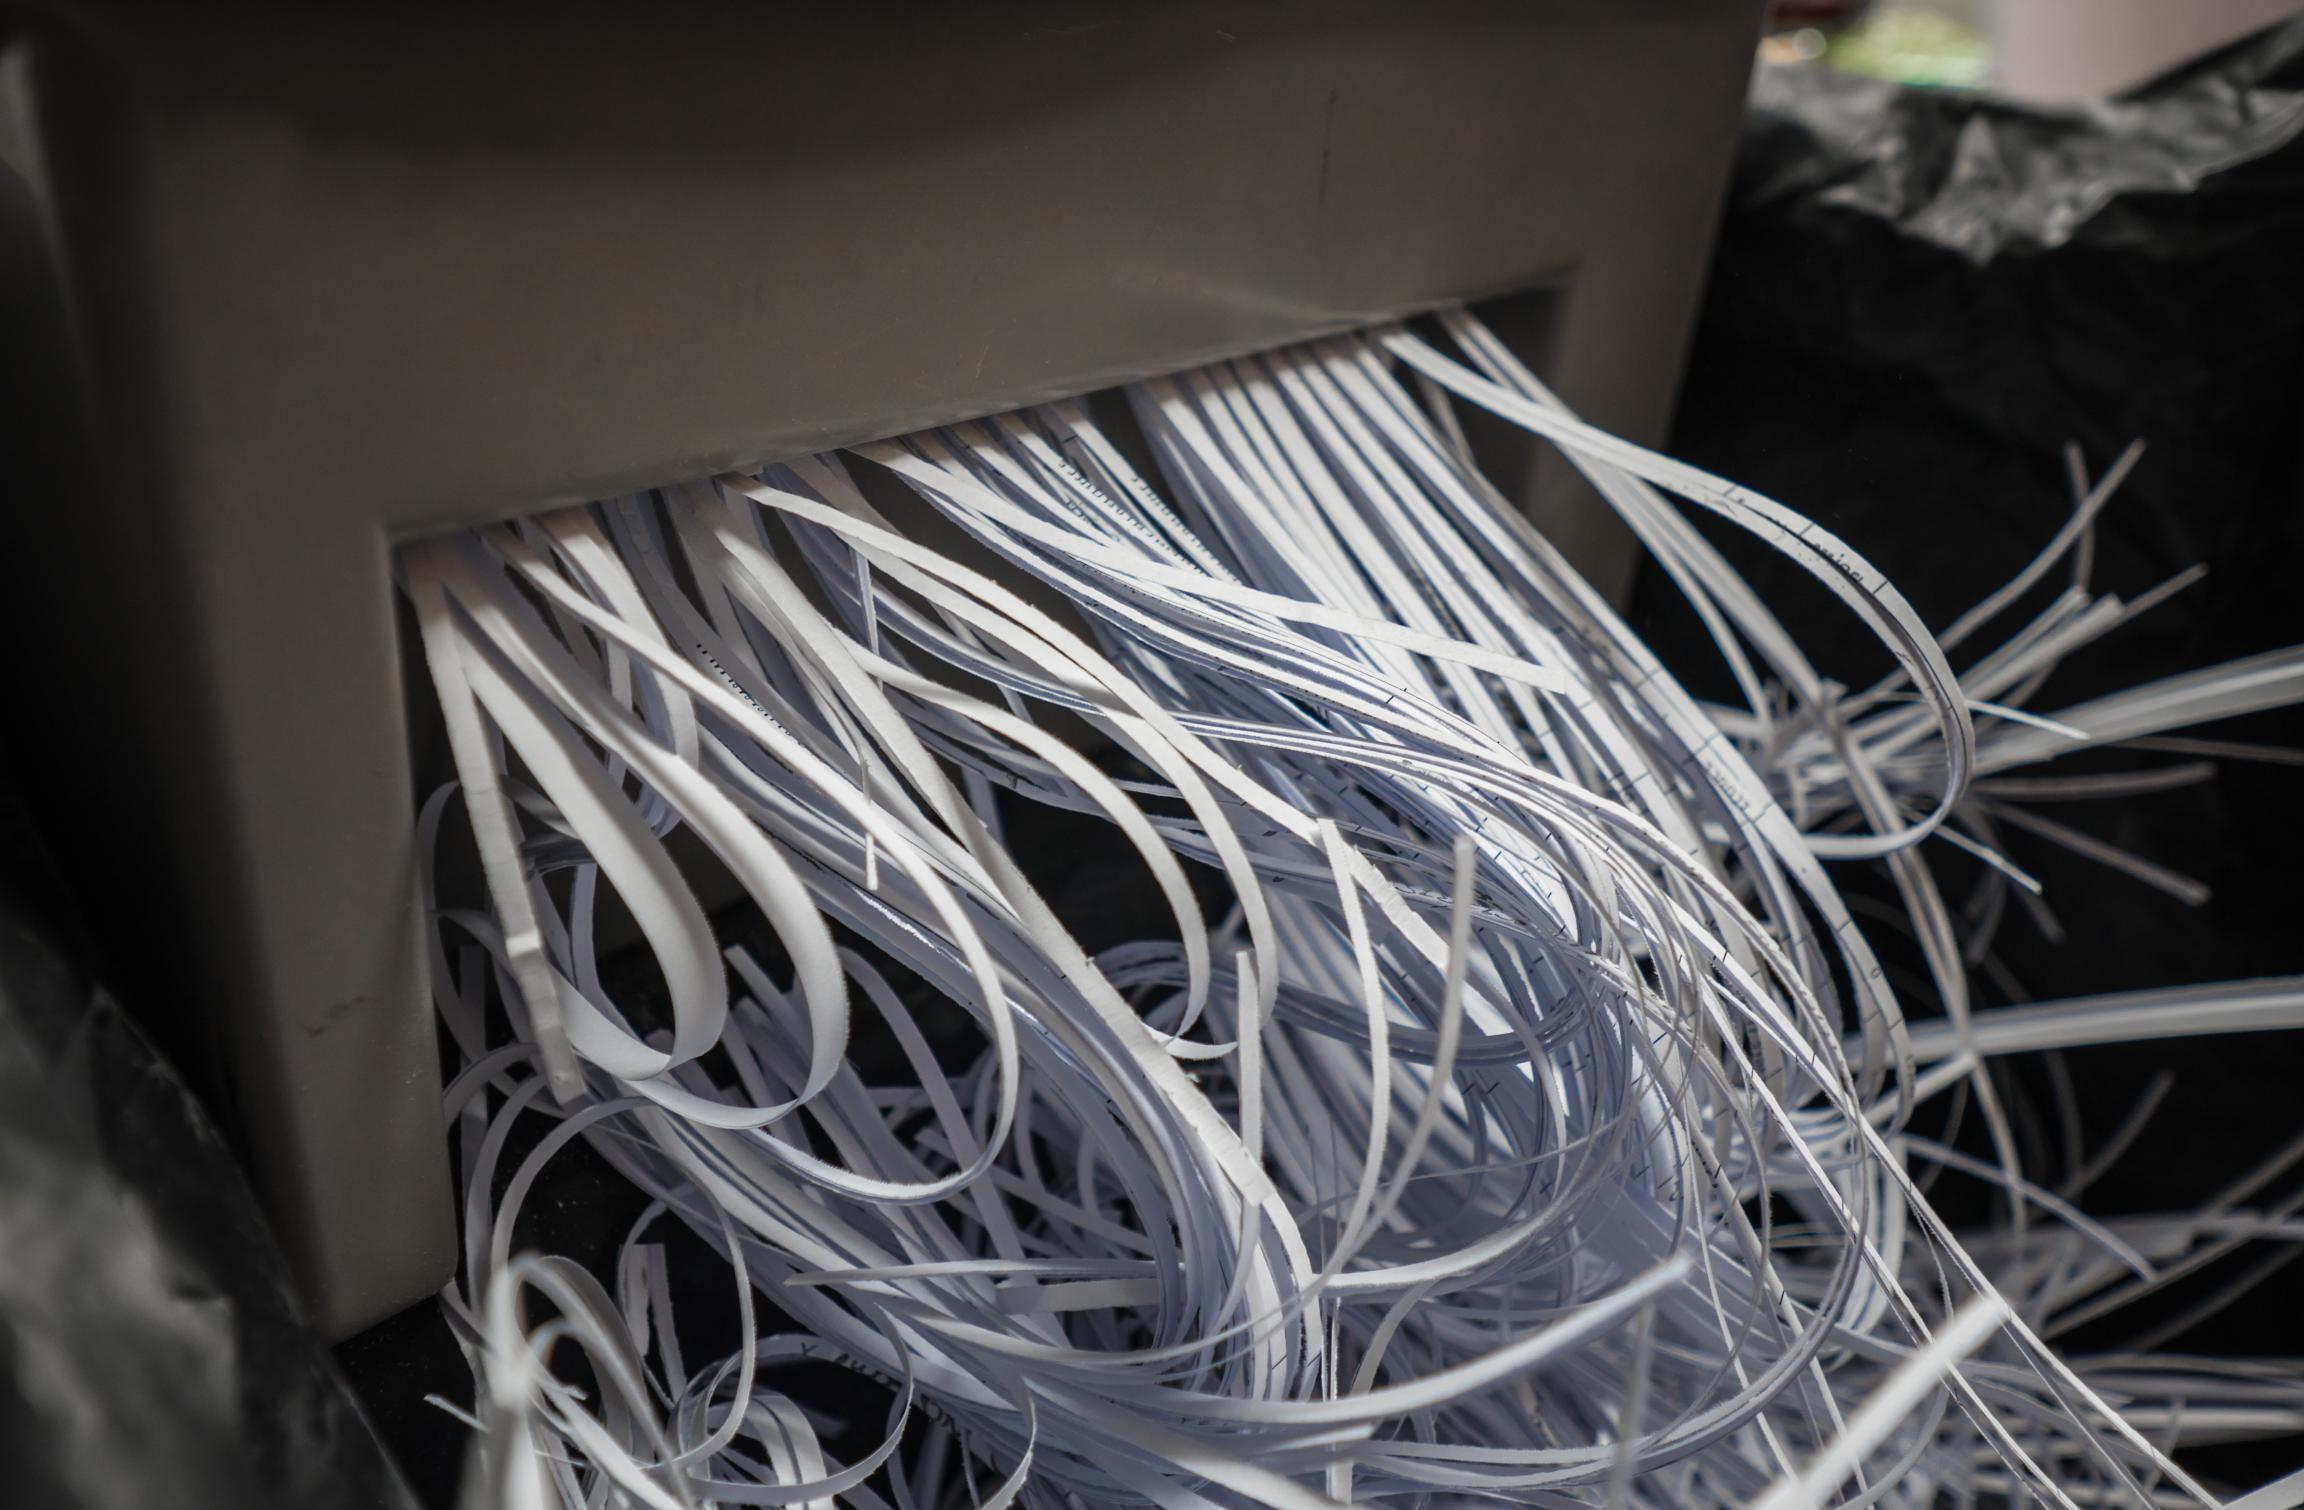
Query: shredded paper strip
1508	1106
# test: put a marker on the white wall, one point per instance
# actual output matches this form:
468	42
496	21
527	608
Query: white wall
2057	51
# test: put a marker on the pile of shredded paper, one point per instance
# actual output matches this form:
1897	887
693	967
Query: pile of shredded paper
1507	1106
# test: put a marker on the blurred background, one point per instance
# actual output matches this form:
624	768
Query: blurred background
2038	51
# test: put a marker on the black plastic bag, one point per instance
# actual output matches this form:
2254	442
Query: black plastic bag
1918	300
149	1350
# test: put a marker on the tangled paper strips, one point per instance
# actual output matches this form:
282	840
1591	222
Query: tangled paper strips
1529	1120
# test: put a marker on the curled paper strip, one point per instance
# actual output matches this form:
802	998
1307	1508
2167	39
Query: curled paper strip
1507	1106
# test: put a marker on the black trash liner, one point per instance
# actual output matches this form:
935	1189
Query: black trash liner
1974	284
149	1350
1919	298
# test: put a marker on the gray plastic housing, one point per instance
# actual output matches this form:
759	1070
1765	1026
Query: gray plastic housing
288	284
